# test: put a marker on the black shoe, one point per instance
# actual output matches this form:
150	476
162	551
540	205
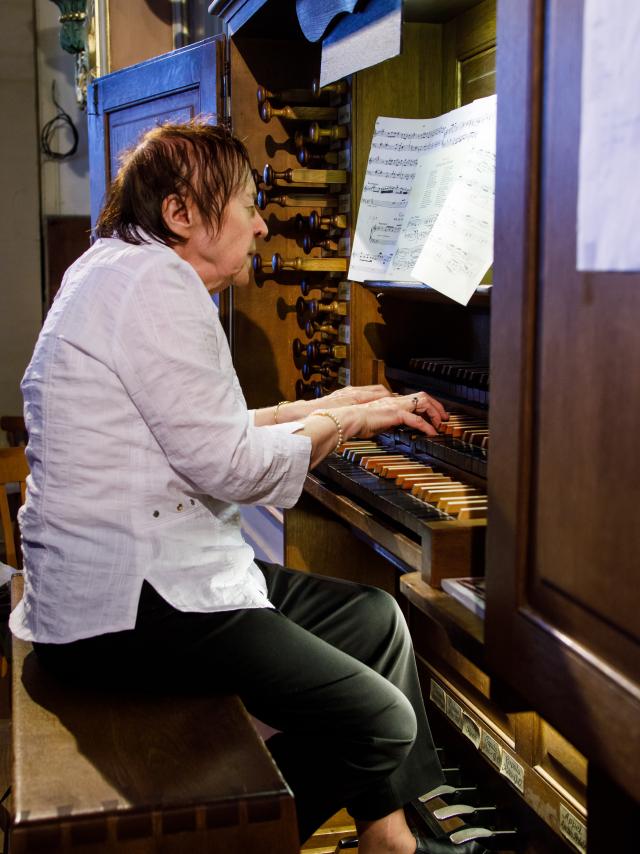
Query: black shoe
427	845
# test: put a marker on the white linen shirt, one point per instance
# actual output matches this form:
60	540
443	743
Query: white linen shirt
140	448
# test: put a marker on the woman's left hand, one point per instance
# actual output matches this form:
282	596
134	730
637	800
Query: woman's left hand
352	394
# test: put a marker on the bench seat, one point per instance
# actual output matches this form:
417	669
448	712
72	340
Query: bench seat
97	772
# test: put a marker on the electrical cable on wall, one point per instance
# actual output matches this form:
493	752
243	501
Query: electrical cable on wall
60	120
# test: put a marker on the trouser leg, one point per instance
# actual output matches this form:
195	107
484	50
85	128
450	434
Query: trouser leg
368	625
332	669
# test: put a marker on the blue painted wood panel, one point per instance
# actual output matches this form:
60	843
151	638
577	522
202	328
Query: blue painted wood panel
122	105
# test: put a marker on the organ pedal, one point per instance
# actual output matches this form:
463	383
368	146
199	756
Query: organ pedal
455	810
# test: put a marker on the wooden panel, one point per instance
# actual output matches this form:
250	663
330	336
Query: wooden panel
67	237
317	540
407	86
138	30
562	553
478	76
123	104
468	56
559	762
586	535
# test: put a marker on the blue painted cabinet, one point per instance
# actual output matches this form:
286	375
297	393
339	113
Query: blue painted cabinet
171	87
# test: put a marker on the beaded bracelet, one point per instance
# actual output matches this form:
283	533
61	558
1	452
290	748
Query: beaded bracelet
278	405
335	420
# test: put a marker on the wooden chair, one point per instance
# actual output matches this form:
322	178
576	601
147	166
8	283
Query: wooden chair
14	427
13	470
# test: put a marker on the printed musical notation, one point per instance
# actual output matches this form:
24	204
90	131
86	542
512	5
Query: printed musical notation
384	234
459	248
413	166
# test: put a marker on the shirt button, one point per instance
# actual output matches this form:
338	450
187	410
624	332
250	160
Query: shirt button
156	513
180	507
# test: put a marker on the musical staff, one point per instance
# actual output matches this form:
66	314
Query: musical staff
398	188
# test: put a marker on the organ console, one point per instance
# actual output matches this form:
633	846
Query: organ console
325	370
494	669
340	87
294	200
326	291
318	134
304	176
309	243
313	308
320	264
315	350
308	158
298	114
325	330
327	222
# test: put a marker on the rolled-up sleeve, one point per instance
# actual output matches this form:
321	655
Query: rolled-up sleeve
171	355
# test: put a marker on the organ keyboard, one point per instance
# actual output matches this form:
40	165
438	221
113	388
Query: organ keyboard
443	506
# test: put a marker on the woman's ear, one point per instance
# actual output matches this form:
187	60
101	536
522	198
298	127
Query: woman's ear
177	215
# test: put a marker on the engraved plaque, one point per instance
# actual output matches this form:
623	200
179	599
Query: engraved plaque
512	770
491	749
344	376
344	203
344	333
574	830
438	697
344	114
471	729
454	711
344	291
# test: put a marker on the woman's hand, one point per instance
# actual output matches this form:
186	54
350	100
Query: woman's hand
419	403
353	394
367	419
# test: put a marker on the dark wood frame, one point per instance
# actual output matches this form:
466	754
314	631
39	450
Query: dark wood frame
574	689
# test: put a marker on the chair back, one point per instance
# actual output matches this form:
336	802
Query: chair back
13	470
14	427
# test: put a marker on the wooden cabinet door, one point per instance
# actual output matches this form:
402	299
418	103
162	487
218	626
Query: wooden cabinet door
563	622
172	87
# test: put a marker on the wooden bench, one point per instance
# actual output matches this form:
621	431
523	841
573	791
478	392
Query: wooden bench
95	772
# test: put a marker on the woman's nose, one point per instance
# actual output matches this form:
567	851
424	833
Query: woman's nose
261	229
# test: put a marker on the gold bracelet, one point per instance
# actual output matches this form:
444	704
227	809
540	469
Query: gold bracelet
335	420
278	405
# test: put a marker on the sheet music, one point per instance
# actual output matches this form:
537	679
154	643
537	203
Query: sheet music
434	178
396	149
608	237
459	248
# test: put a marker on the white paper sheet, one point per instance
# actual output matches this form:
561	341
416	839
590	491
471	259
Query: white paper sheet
362	39
459	248
608	186
396	149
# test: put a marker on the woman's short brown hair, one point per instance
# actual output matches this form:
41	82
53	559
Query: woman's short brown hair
193	160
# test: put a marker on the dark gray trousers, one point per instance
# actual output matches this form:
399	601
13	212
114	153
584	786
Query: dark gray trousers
332	668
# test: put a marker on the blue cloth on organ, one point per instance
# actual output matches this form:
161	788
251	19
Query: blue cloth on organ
316	16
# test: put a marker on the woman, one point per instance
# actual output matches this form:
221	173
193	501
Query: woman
141	447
